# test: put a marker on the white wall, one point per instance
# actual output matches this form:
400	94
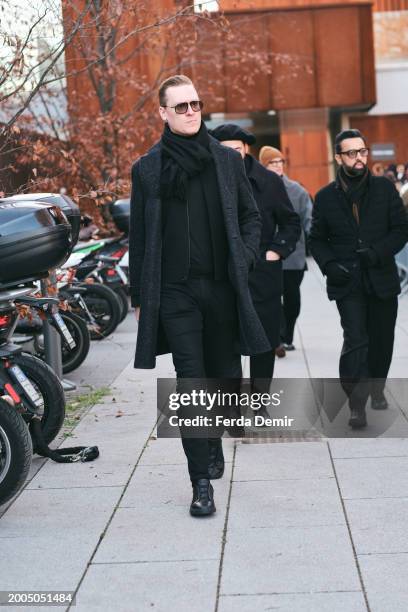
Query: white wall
392	88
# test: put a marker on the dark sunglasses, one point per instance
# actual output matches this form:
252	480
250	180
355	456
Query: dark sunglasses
182	107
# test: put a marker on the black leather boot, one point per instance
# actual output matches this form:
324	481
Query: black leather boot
358	418
216	462
262	412
203	498
378	402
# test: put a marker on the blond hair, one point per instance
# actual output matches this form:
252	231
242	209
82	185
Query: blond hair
173	81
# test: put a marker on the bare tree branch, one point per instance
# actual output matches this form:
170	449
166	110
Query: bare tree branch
181	13
6	72
41	82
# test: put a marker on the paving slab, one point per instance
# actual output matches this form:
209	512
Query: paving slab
386	580
106	358
341	448
372	477
288	559
119	445
283	461
285	503
153	522
378	525
174	585
338	601
46	541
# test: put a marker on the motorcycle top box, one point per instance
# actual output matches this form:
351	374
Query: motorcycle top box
68	207
34	238
120	211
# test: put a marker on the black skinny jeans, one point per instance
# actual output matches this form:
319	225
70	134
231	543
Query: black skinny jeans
200	320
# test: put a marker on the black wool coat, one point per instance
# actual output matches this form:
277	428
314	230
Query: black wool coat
243	228
335	235
280	233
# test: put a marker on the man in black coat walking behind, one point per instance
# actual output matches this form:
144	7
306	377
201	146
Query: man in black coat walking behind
194	234
358	225
280	233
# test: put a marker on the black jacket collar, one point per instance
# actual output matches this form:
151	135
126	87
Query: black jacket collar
256	173
337	183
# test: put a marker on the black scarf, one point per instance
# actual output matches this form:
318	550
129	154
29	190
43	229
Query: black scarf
182	158
355	189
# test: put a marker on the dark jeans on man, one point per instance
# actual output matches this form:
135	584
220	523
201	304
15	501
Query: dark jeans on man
292	280
200	320
368	324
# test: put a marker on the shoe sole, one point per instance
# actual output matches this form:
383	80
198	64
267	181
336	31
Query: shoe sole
357	425
217	477
203	512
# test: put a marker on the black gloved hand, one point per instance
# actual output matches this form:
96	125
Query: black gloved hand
336	273
368	257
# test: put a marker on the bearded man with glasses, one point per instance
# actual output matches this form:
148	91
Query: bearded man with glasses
194	235
358	225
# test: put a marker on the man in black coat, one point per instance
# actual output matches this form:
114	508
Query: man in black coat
280	233
358	225
194	235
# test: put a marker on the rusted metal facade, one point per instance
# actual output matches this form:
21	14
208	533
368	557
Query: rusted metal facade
309	56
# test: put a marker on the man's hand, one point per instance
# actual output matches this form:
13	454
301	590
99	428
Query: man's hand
368	257
337	274
272	256
137	313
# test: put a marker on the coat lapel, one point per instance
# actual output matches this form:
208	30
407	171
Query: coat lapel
256	174
345	208
151	171
221	161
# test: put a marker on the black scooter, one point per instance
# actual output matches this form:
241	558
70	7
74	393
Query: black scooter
29	390
71	327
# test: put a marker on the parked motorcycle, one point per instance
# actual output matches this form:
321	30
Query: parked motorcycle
35	236
28	379
95	302
102	261
105	269
72	329
15	451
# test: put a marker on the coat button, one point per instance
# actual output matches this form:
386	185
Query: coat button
283	241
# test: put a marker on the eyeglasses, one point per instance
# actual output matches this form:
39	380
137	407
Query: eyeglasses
182	107
352	154
276	162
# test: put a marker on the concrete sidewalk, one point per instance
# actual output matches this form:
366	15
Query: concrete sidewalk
300	526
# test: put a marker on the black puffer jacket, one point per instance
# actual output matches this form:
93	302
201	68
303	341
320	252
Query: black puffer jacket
335	235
